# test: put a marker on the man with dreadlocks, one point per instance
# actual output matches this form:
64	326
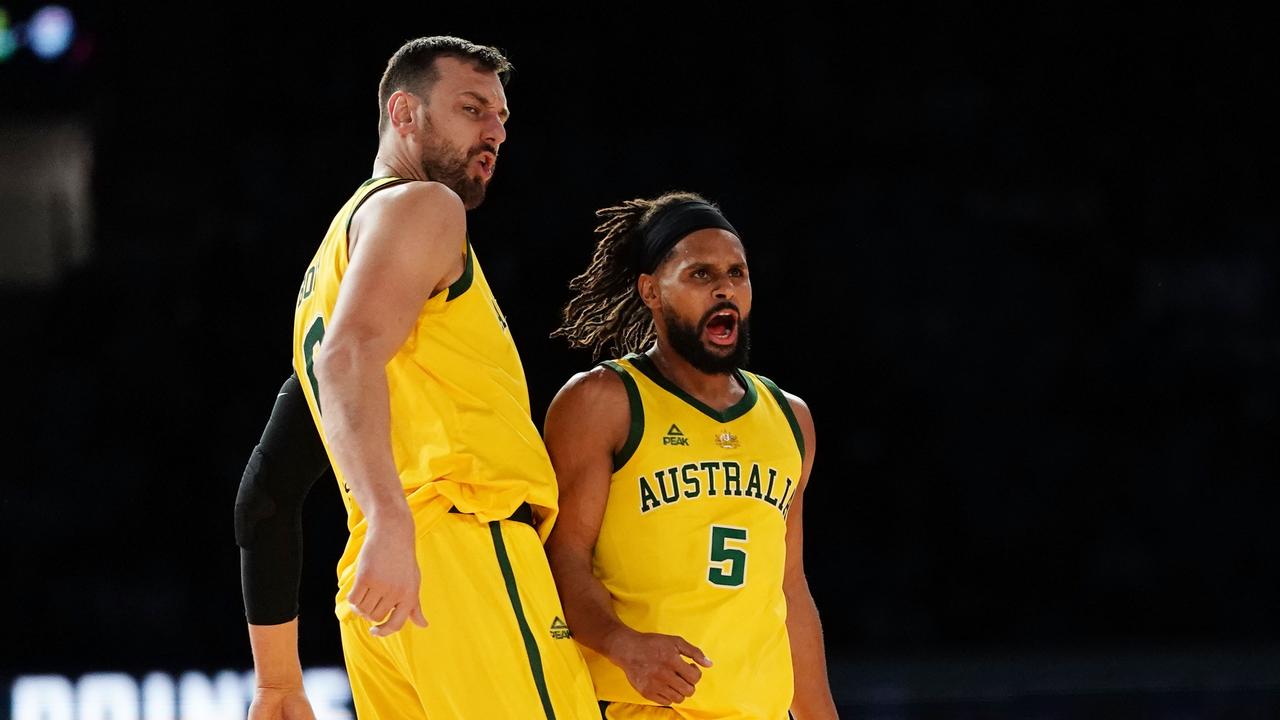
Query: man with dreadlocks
681	482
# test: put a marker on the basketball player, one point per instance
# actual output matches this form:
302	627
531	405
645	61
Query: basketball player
678	549
446	604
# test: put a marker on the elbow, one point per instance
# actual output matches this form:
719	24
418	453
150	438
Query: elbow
335	361
557	557
324	366
337	368
796	590
566	559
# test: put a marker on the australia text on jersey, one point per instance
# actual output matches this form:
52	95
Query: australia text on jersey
712	478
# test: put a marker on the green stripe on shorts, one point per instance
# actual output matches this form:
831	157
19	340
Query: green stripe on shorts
535	658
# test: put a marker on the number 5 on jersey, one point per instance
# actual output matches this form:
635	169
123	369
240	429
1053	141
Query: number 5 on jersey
728	563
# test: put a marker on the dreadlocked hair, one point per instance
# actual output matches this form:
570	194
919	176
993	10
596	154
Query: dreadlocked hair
607	315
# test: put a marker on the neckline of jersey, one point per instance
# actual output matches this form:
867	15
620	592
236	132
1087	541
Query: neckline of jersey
642	363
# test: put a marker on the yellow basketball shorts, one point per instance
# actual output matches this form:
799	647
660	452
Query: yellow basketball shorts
628	711
496	645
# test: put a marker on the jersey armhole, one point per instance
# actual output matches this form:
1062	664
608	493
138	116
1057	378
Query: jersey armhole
637	416
463	283
781	399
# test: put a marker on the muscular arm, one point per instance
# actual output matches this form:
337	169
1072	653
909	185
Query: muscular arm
268	527
409	241
812	699
586	424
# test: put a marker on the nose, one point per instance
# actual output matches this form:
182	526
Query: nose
725	289
495	133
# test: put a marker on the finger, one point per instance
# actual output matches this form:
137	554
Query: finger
417	617
356	597
688	650
659	696
379	610
393	623
680	686
689	673
361	602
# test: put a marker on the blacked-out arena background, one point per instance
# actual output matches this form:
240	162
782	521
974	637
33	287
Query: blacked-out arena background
1021	262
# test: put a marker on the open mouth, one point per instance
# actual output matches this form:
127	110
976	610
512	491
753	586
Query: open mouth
487	163
722	328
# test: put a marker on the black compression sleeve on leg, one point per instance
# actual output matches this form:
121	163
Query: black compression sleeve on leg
268	517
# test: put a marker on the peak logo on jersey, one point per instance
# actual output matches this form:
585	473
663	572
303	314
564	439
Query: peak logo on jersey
560	631
675	437
727	440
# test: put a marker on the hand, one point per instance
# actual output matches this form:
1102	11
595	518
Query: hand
387	577
280	704
655	664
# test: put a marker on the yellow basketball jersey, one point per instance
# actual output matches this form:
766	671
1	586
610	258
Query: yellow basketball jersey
693	541
461	432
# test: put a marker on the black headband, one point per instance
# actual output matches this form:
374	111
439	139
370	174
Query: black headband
671	225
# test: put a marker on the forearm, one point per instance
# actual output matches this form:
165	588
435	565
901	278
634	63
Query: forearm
812	699
356	409
587	604
275	655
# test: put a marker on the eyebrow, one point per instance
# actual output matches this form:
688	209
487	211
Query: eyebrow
503	114
704	265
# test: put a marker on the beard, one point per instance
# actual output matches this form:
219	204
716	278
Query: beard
447	165
686	340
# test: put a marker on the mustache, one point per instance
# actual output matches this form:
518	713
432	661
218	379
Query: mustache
483	147
722	305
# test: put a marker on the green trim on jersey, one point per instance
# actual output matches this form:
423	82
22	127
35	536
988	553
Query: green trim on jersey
748	401
787	410
530	645
463	283
637	415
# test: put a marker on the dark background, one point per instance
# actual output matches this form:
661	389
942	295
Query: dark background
1021	264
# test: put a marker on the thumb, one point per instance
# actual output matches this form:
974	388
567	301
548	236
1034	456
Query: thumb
416	615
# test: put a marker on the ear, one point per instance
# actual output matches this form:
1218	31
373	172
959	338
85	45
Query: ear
400	107
647	286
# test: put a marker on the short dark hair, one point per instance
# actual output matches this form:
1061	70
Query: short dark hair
413	67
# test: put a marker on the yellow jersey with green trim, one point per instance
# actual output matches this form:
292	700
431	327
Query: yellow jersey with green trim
693	539
461	431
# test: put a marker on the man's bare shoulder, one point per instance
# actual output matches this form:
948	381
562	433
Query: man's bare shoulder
599	391
801	410
591	407
417	210
413	200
